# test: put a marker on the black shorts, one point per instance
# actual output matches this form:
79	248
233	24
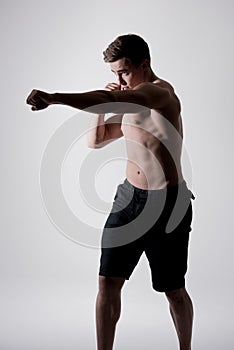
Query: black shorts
157	222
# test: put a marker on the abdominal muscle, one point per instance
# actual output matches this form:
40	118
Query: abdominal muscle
153	147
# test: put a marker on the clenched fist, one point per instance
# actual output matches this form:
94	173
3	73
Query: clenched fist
39	100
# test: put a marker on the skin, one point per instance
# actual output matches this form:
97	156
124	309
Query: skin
138	171
150	163
153	135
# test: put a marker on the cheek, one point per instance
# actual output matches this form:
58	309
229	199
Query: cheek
130	78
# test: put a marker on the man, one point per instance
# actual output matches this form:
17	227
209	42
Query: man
148	116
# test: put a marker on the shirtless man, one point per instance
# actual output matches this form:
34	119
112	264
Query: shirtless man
147	114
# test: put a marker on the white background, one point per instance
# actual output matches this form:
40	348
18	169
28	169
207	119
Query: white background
48	282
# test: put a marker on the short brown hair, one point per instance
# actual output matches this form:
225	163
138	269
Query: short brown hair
130	46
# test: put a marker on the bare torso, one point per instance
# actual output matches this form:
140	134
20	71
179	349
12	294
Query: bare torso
153	144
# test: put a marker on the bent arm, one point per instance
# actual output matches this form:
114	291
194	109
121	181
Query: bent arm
103	132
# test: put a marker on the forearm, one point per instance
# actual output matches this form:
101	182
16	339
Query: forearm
92	101
96	131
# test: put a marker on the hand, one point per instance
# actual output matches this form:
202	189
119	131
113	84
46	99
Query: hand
39	100
112	87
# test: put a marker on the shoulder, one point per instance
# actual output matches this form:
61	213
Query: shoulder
173	107
157	87
161	89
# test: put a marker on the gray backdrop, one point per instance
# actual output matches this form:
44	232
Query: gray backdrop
48	281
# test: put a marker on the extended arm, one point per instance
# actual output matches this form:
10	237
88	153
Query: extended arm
145	95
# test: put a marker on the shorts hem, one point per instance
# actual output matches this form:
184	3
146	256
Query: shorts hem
168	289
105	274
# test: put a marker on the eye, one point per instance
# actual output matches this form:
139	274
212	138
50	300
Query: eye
125	73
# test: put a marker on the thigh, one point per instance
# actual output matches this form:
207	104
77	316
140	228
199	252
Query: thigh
119	228
120	253
120	261
168	254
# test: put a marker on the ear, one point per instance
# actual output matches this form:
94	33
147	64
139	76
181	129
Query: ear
145	64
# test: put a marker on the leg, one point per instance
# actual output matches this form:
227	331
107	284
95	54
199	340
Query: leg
181	310
108	307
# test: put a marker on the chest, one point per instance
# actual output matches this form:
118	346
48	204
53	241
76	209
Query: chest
145	125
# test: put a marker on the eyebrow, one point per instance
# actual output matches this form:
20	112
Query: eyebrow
120	70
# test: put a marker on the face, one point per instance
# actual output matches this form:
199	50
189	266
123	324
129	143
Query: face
128	76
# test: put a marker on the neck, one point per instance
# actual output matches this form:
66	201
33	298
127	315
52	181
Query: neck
151	76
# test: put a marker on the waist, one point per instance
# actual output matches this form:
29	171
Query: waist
173	188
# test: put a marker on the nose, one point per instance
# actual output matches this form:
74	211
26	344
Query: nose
121	81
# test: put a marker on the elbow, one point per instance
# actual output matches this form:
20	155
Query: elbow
91	141
94	141
90	145
93	145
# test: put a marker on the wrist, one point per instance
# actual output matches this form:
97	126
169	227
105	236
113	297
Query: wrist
54	98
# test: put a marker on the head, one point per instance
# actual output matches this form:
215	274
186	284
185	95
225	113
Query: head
129	59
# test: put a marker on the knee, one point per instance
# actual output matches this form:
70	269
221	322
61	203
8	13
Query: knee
110	286
176	296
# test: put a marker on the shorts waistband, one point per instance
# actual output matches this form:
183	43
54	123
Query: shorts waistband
142	191
172	190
